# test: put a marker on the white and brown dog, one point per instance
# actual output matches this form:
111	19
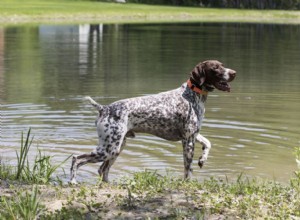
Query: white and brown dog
173	115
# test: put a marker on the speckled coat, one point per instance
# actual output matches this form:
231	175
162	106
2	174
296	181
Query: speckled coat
173	115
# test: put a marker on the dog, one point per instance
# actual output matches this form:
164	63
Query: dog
172	115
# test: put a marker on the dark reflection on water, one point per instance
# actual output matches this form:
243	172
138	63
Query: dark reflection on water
46	70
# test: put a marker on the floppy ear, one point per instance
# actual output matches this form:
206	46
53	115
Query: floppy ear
198	74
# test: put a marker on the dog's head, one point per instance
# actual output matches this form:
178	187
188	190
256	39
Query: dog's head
212	74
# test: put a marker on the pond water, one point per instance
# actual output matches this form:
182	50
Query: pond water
45	71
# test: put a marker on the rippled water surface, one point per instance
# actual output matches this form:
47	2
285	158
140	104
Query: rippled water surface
45	71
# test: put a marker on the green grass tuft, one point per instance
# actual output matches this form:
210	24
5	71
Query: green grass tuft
40	172
25	205
22	156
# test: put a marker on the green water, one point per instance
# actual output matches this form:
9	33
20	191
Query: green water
45	71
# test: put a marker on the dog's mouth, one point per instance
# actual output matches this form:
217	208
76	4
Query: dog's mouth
222	85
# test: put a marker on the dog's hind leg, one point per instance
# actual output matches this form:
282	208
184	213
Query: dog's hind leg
105	166
78	161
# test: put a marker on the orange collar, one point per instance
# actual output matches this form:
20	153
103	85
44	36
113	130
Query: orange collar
195	89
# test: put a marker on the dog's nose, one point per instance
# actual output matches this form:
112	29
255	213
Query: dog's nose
232	74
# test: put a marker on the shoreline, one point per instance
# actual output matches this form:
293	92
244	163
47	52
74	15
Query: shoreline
148	195
78	12
61	20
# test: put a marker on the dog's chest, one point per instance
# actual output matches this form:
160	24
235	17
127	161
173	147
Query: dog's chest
196	102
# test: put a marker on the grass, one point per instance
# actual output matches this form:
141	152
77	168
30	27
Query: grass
40	172
82	11
25	205
22	156
42	169
147	195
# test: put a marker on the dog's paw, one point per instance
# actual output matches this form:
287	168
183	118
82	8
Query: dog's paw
201	161
73	182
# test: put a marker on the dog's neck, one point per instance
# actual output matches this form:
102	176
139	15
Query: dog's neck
200	91
196	100
195	87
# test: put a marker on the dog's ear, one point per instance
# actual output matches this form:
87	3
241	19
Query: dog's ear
198	74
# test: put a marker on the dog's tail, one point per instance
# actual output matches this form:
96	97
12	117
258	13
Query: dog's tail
94	103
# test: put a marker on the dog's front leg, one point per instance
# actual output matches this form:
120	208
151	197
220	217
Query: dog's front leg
206	146
73	171
188	154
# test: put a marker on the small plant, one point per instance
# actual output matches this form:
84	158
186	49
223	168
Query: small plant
295	181
22	157
297	153
147	181
6	171
23	206
64	213
42	168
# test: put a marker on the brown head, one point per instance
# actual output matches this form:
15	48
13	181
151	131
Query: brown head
212	74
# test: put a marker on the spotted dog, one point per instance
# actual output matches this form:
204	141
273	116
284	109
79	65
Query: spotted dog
173	115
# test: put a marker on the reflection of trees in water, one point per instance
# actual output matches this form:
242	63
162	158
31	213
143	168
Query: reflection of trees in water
60	60
90	38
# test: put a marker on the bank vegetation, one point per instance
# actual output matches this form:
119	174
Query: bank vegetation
29	191
242	4
83	11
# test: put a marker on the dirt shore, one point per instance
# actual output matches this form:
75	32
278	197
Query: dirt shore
148	195
108	201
